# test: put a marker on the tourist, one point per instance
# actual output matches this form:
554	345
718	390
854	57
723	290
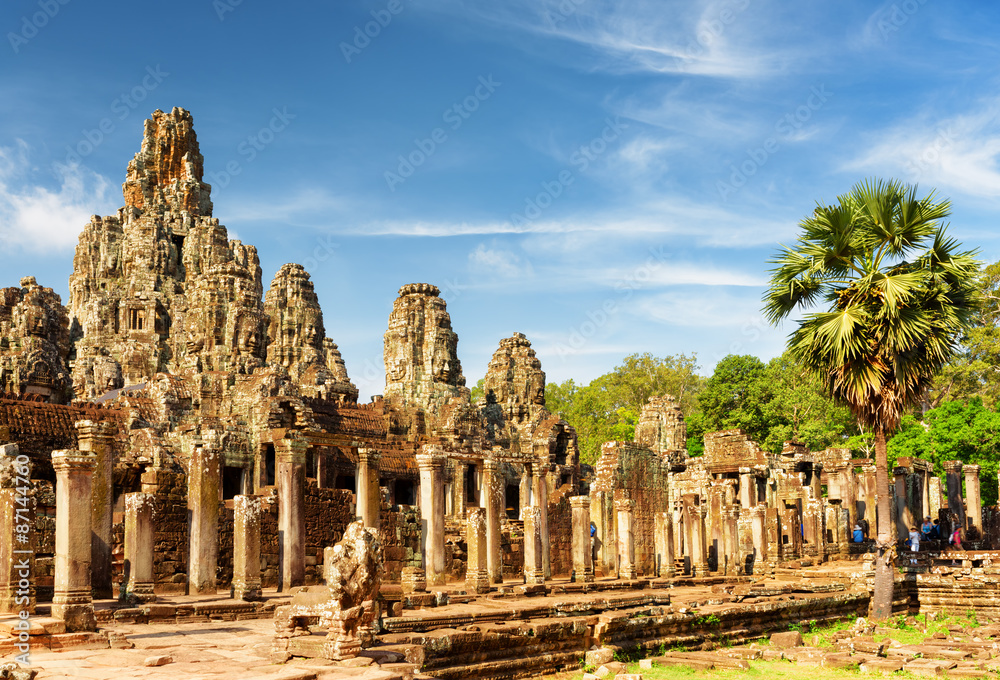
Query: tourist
859	535
865	527
926	528
914	539
956	538
936	530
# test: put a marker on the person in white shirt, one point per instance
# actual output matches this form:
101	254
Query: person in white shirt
914	539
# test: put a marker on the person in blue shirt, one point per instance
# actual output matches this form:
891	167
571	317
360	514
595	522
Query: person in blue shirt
859	535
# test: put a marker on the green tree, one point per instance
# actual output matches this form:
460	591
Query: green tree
975	371
477	393
735	396
609	407
898	295
956	430
800	410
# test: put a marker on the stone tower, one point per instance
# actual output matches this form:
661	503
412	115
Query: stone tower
297	339
421	349
514	382
159	287
661	426
34	342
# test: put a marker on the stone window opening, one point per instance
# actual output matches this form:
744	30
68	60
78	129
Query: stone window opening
404	492
346	482
562	444
232	482
471	487
512	501
136	319
269	464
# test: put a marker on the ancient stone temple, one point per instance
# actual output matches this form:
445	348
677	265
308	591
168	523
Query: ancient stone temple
184	433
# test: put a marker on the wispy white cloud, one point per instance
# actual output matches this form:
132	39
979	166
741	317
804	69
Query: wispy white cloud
960	153
709	308
499	262
307	206
708	38
710	225
37	218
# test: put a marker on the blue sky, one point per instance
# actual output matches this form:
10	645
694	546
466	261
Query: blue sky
605	177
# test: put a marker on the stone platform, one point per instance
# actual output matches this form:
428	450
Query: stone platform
510	632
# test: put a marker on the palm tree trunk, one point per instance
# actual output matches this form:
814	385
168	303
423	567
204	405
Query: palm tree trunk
884	575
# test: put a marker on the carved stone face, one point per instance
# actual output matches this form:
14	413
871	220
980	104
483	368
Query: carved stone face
395	359
536	389
442	371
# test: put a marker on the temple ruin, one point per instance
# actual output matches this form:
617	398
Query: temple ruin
186	434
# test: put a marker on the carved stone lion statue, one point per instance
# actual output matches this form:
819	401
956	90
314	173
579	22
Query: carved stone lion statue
346	606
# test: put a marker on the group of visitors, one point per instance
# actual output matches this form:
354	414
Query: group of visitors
932	531
929	531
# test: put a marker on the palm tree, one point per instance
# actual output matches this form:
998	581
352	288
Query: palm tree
886	296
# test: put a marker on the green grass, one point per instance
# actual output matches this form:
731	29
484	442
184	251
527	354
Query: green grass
820	635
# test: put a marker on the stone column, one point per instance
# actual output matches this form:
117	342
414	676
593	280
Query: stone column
583	553
460	496
868	478
730	541
97	438
534	569
935	499
540	499
953	470
758	522
477	578
17	509
744	541
748	488
431	466
772	529
626	539
367	486
925	486
904	518
815	482
72	600
974	505
204	475
524	490
138	584
246	548
663	543
290	458
694	526
491	499
819	529
602	514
